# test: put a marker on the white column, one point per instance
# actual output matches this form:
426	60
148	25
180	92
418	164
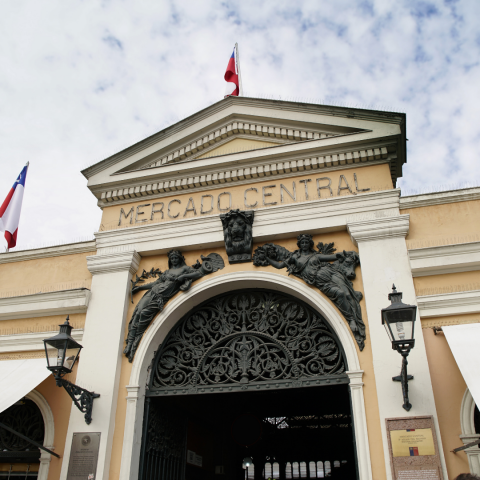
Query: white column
100	360
360	424
130	464
384	260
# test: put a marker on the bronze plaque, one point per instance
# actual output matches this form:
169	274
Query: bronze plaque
84	456
413	448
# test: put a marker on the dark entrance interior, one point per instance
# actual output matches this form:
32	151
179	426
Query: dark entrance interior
288	433
250	374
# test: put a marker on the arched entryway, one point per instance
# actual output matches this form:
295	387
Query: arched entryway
213	286
251	374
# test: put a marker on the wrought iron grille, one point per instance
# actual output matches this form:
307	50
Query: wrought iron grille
163	454
24	417
250	339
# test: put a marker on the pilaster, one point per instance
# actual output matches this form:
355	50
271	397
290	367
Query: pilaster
384	261
360	424
129	438
100	361
473	453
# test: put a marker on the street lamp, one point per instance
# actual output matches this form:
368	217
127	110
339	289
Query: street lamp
399	321
62	352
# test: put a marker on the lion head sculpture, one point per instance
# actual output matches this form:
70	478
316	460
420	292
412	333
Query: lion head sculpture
237	232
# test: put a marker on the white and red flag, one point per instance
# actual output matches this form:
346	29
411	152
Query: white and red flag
11	208
232	75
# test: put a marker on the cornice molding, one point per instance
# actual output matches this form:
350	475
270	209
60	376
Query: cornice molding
378	228
281	221
242	103
55	251
243	129
440	198
113	262
245	171
26	342
457	303
463	257
45	304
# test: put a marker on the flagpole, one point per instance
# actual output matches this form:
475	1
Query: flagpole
240	87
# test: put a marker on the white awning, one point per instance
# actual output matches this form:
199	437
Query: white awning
19	377
464	342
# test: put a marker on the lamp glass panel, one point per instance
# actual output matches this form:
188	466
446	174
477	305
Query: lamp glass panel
70	357
400	323
52	356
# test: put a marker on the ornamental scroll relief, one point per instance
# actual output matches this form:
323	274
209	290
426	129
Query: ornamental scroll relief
314	267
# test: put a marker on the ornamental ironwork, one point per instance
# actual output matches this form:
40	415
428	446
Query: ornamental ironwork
164	447
25	418
248	339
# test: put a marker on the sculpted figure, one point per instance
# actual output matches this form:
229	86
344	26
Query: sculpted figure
178	277
237	232
314	267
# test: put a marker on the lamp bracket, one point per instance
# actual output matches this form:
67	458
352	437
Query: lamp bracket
82	398
403	378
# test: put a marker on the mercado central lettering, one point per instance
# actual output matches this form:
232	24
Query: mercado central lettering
234	305
303	189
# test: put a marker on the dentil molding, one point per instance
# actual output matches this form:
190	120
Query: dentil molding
114	262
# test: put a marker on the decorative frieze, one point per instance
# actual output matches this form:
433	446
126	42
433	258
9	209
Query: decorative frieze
244	173
215	137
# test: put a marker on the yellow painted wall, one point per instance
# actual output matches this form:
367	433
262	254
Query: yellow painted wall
238	145
61	405
447	283
342	242
444	224
448	389
45	274
376	177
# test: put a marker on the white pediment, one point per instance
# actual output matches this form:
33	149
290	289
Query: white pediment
240	130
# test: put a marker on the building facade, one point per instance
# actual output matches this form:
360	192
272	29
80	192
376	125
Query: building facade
230	305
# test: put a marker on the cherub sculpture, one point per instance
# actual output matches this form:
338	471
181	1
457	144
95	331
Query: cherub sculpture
178	277
314	267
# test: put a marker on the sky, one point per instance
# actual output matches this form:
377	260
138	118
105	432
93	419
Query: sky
82	80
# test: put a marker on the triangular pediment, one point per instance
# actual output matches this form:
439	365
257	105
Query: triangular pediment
241	131
237	145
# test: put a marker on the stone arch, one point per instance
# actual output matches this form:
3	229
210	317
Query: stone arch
182	304
47	415
469	435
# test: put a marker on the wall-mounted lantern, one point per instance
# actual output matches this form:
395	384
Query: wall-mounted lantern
399	321
62	352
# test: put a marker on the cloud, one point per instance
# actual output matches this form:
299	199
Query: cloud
83	80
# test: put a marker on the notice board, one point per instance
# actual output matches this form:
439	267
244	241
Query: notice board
413	448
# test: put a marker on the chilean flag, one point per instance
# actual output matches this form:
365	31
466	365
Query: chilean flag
11	207
232	75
